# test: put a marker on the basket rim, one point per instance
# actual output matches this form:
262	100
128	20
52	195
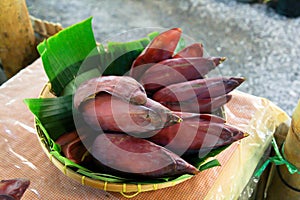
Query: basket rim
122	188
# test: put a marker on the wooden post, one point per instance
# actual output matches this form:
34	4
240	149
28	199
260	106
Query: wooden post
285	185
17	40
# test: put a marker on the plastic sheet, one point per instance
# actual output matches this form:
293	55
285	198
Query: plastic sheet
22	155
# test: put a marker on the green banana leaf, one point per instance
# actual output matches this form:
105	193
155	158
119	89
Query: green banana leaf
55	114
209	164
74	51
181	44
200	161
66	49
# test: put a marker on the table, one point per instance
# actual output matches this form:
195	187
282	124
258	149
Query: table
22	156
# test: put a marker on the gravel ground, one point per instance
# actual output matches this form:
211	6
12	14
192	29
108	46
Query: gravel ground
259	44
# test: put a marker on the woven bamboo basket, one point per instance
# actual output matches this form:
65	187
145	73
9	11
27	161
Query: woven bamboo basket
43	30
127	190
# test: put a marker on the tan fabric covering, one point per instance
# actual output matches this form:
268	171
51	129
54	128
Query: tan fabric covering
22	156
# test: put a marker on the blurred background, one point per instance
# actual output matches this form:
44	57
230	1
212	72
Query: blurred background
260	43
